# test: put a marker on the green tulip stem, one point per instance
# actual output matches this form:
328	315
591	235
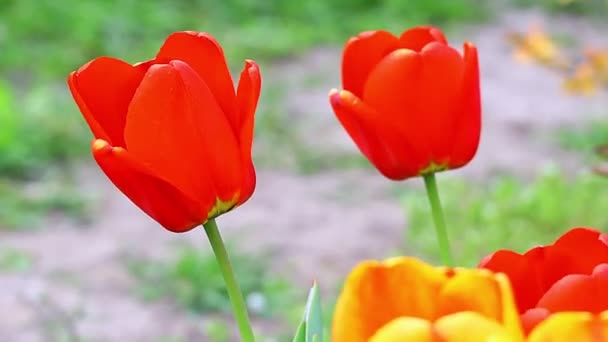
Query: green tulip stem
442	235
234	292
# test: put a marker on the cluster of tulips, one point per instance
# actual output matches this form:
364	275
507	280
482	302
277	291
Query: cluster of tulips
175	137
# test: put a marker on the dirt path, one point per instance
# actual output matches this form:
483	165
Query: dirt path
316	226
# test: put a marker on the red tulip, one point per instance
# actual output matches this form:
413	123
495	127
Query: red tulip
569	275
410	103
171	133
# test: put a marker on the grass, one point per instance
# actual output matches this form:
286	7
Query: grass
506	213
586	138
194	281
26	206
70	32
15	260
38	139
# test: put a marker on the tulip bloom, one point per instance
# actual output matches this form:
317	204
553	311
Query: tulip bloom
572	326
569	275
410	103
404	299
172	133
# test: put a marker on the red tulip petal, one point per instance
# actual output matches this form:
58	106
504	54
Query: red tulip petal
531	318
582	239
392	89
468	120
526	286
361	54
175	127
376	138
418	37
404	86
577	292
247	96
441	99
205	55
170	207
600	271
103	89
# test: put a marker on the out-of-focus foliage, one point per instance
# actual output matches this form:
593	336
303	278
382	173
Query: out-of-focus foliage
507	213
50	38
195	281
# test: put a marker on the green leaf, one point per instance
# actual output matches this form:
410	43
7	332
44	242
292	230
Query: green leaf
301	332
311	327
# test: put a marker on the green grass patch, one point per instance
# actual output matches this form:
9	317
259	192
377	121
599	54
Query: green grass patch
39	130
39	137
586	138
25	206
193	279
506	213
14	260
50	38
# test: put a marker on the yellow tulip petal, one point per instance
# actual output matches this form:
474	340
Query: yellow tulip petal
572	326
472	327
461	293
483	292
462	326
405	329
375	293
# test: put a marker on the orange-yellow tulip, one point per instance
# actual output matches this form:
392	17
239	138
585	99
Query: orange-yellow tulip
381	300
572	327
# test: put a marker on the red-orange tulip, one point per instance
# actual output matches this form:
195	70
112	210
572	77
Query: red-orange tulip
171	133
569	275
410	103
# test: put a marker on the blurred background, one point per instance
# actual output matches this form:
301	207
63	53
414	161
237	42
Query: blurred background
78	262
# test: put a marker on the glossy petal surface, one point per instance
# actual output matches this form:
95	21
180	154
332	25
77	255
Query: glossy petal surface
361	54
419	37
203	54
178	135
166	204
467	129
377	139
104	100
247	96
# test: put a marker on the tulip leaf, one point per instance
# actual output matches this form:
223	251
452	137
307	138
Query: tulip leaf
301	332
311	327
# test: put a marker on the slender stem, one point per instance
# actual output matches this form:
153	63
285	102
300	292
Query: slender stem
442	235
234	292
